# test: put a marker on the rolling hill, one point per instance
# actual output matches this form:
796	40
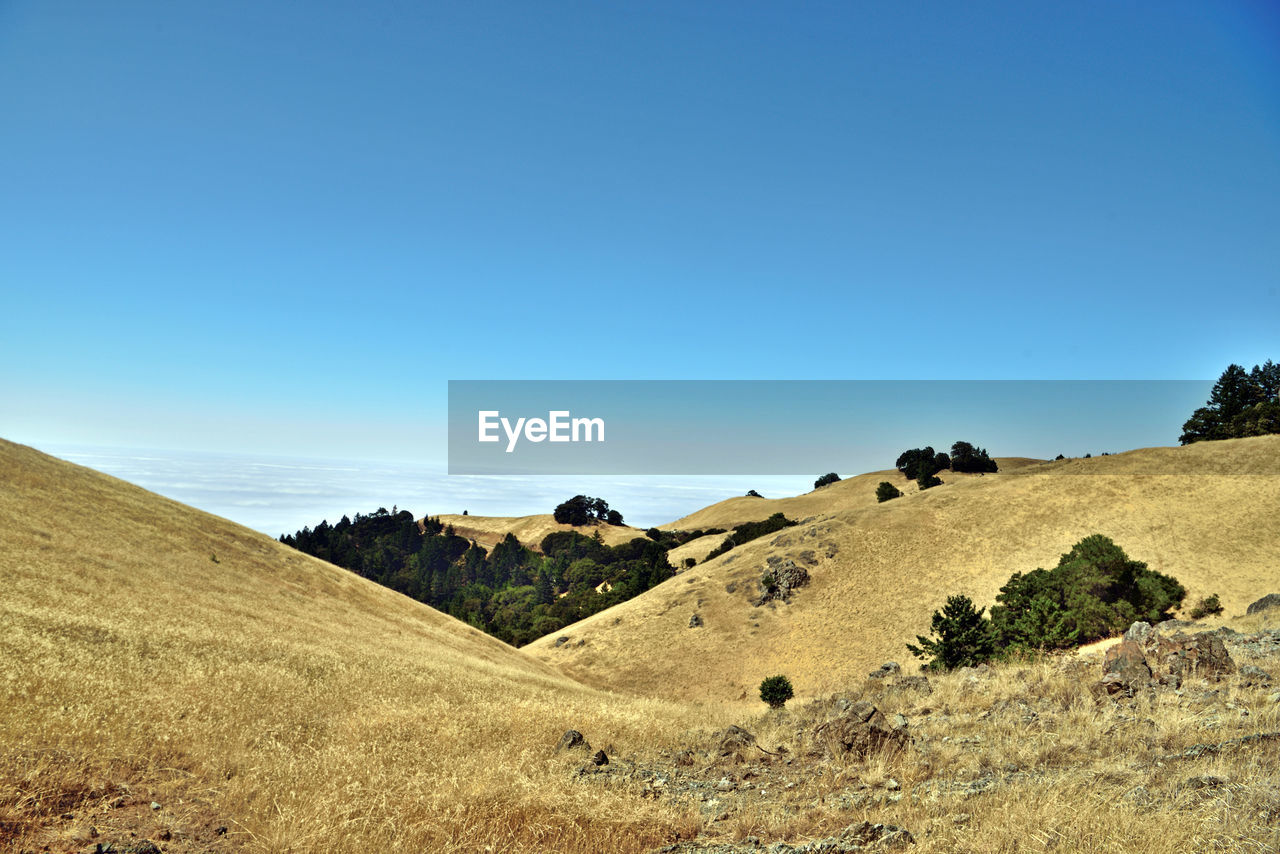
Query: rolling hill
530	530
1208	514
266	700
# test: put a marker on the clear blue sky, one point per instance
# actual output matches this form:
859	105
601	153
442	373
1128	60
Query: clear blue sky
264	226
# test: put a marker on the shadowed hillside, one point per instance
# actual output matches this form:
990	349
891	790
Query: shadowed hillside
152	652
878	571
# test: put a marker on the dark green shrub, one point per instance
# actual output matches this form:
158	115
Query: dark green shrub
1094	592
1207	607
776	690
751	493
928	481
748	531
961	637
826	480
886	491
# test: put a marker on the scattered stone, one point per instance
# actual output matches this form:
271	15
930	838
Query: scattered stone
913	683
695	621
155	806
572	740
220	830
1271	600
1252	675
889	668
562	640
854	838
600	758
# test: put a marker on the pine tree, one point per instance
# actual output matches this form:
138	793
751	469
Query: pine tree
961	637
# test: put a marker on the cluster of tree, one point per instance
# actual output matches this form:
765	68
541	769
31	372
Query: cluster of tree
511	592
1242	403
584	510
826	480
964	457
748	531
1094	592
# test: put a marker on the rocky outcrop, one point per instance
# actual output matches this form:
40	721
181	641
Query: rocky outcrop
733	742
862	731
1125	670
1149	657
780	579
1271	600
1180	656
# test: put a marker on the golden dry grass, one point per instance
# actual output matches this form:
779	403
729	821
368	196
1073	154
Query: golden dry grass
308	710
891	565
847	494
301	706
530	530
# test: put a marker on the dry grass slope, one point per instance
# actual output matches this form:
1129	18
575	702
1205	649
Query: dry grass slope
298	705
879	570
530	530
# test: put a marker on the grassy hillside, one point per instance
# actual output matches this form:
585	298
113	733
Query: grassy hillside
530	530
878	571
152	652
858	491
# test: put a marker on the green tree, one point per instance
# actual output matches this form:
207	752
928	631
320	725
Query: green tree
961	636
886	491
776	690
1095	591
826	480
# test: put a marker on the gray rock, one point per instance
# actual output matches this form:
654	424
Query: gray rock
1252	675
1271	600
572	740
695	621
1125	670
889	668
600	758
562	640
733	741
1138	632
780	578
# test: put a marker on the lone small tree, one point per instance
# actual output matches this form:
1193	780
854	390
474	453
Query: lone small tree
826	480
961	637
887	491
776	690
